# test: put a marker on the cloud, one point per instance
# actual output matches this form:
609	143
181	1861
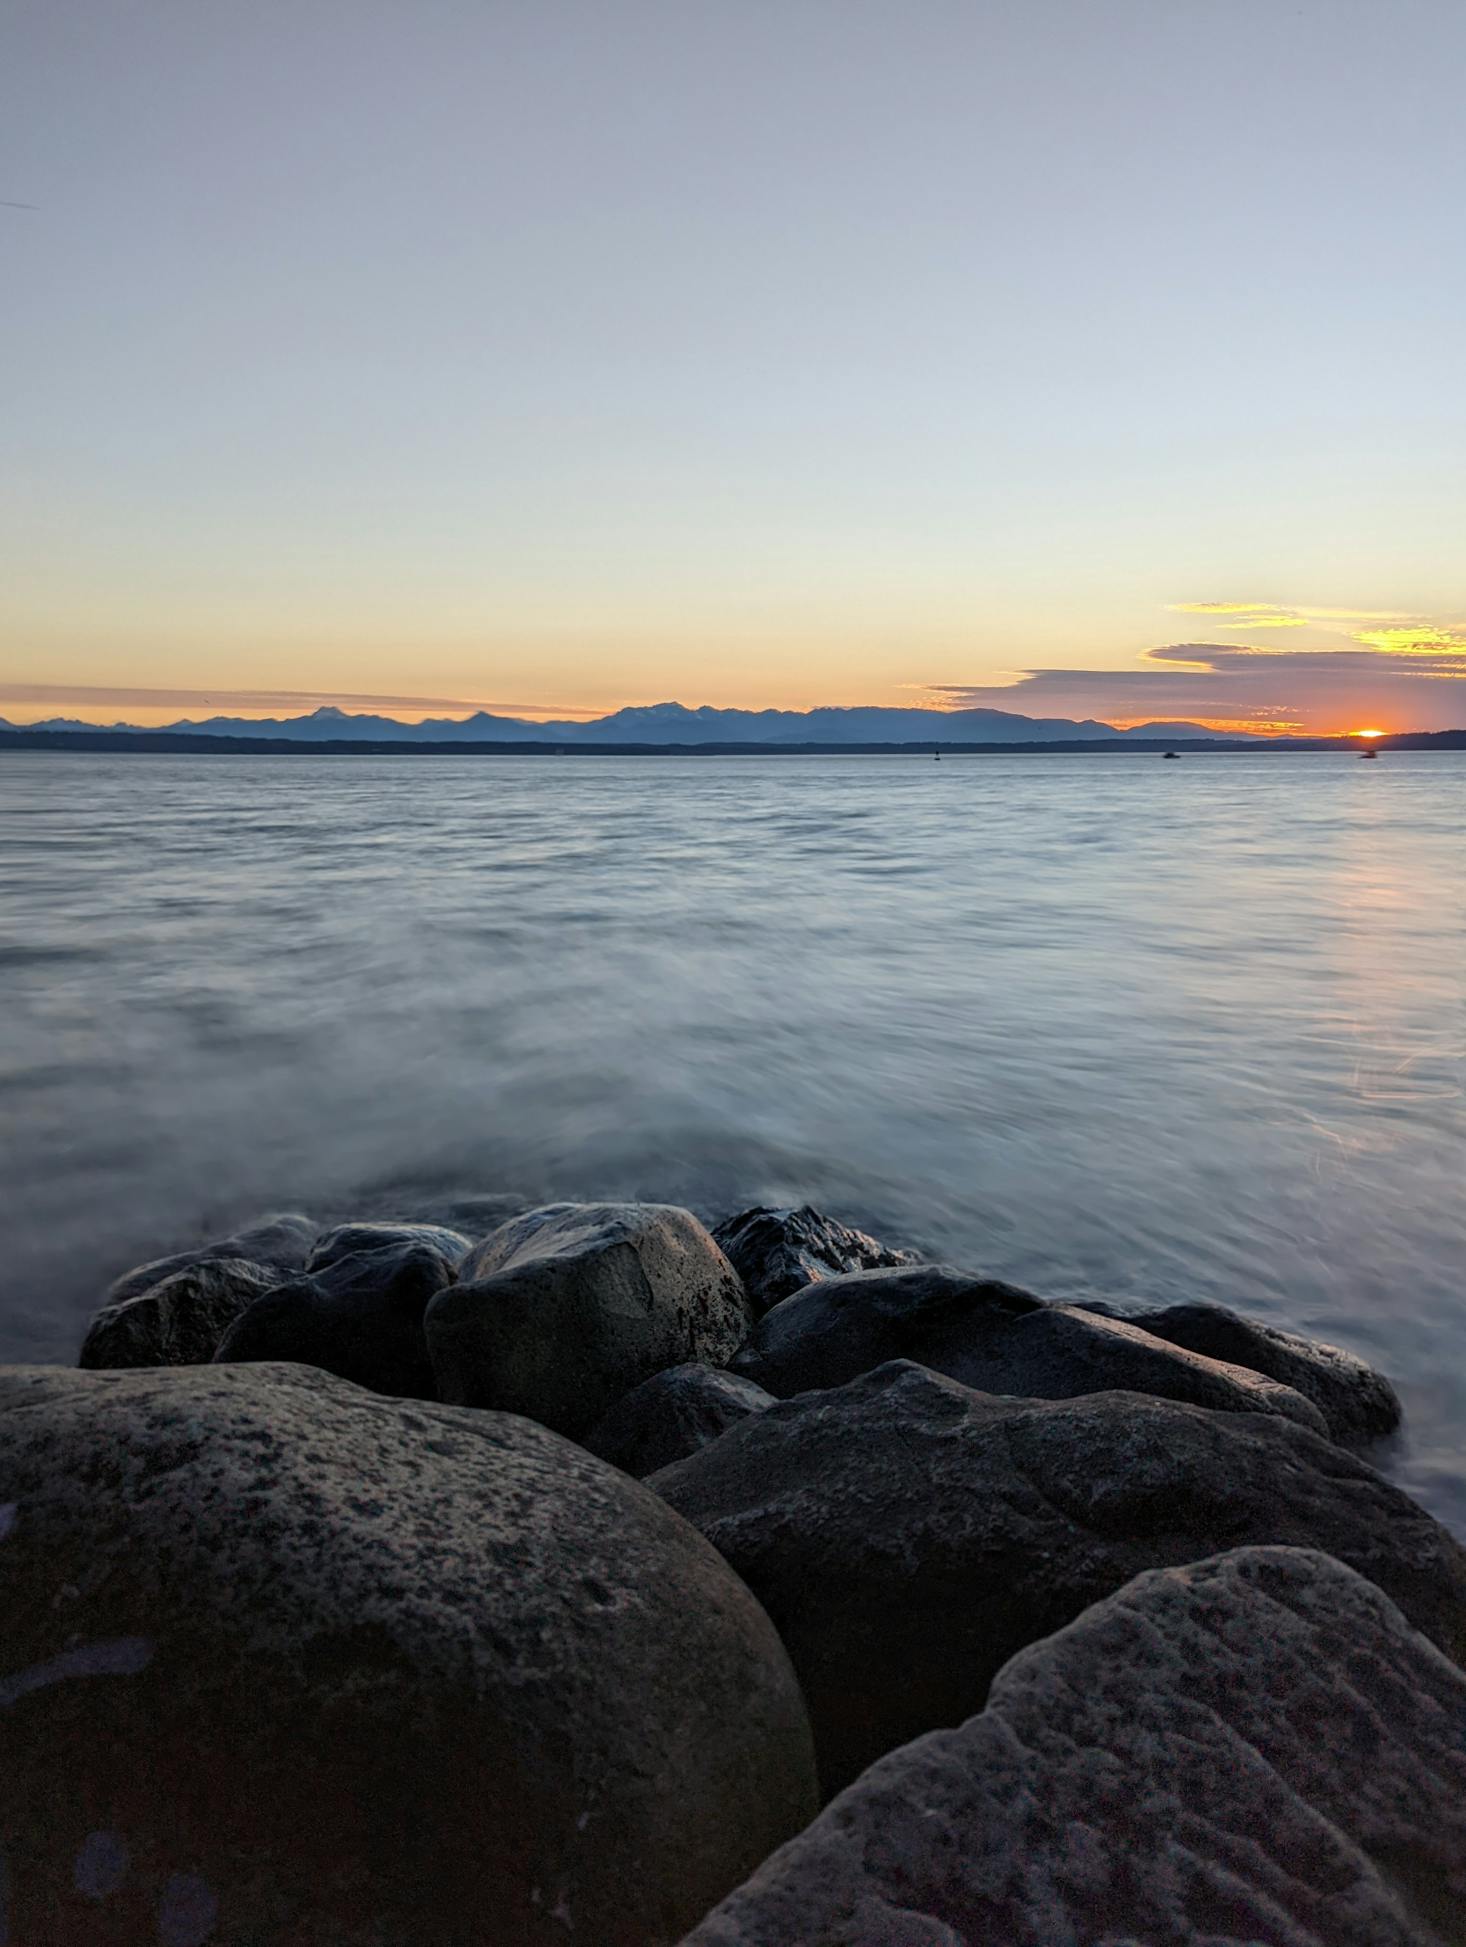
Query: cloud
1403	685
259	702
1276	615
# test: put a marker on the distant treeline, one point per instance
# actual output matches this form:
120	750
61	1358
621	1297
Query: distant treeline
143	742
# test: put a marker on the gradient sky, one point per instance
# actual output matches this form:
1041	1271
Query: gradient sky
559	354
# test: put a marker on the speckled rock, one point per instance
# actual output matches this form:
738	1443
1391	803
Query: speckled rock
350	1240
360	1315
1256	1751
559	1313
777	1252
1358	1404
671	1415
279	1244
312	1665
907	1535
178	1321
991	1336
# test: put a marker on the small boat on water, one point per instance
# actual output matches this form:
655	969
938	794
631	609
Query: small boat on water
1369	753
1175	754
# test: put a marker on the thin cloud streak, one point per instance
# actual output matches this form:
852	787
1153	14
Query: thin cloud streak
93	695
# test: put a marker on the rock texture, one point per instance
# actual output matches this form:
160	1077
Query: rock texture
349	1240
671	1415
178	1321
287	1662
559	1313
777	1252
991	1336
279	1244
1257	1751
1358	1404
360	1315
908	1535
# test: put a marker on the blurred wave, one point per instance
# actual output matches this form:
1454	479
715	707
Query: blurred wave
1096	1024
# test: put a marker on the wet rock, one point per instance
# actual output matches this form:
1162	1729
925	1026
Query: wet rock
1358	1404
310	1665
671	1415
178	1321
279	1244
349	1240
777	1252
559	1313
360	1315
991	1336
908	1535
1257	1751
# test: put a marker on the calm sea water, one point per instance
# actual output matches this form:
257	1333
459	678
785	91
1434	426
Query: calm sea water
1101	1025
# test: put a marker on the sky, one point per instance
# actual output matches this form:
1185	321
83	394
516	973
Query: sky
1078	357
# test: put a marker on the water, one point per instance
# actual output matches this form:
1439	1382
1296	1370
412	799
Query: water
1101	1025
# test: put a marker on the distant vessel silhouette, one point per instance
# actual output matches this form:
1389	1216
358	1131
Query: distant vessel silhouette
1171	753
1369	753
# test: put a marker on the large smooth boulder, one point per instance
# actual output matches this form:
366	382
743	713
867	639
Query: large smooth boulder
1257	1751
178	1321
559	1313
671	1415
908	1535
360	1315
278	1243
311	1665
777	1252
350	1240
992	1336
1358	1404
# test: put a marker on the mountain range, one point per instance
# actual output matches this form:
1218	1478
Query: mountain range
666	723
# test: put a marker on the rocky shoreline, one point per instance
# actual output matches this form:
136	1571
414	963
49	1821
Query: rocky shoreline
600	1577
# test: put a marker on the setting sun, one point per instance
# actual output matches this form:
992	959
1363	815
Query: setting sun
1367	733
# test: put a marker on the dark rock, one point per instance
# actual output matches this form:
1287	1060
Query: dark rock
559	1313
671	1415
1257	1751
178	1321
907	1535
777	1252
335	1668
278	1244
991	1336
349	1240
360	1316
1358	1404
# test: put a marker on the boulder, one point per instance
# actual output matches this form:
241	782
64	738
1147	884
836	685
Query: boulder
291	1662
279	1244
1255	1751
360	1315
178	1321
777	1252
991	1336
1358	1404
671	1415
559	1313
908	1535
349	1240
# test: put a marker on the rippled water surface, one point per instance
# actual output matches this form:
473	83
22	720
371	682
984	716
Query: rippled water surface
1101	1025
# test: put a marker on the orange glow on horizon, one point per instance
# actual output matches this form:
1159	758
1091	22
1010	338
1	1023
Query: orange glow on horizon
1369	733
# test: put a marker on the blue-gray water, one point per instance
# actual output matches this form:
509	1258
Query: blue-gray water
1101	1025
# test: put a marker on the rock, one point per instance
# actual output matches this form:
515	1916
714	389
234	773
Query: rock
1358	1404
1256	1751
348	1240
908	1535
278	1244
559	1313
334	1668
671	1415
777	1252
360	1315
180	1320
991	1336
